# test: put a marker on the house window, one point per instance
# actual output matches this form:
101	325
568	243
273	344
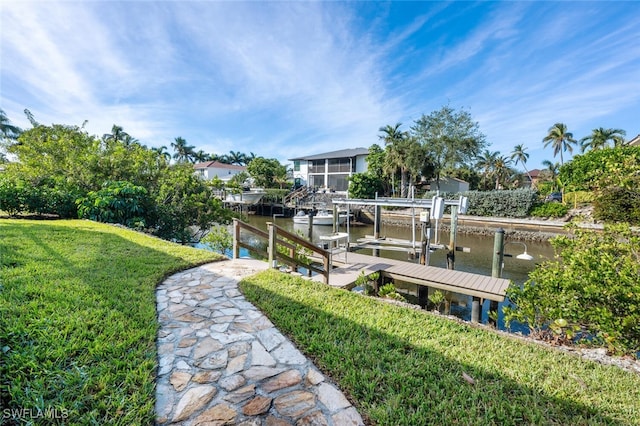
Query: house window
339	182
316	181
316	166
296	166
339	165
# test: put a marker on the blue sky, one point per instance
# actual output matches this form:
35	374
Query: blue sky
286	79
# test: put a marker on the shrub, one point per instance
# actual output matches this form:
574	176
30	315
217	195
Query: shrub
549	210
389	291
618	205
503	203
218	239
592	285
116	202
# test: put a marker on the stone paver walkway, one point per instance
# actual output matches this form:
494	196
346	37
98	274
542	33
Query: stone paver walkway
222	362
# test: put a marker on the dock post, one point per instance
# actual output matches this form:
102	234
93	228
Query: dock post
451	254
236	238
476	309
423	296
310	230
271	250
498	254
377	219
335	218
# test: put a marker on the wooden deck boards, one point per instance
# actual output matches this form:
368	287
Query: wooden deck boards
345	275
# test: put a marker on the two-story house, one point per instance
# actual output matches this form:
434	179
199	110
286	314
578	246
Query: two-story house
329	171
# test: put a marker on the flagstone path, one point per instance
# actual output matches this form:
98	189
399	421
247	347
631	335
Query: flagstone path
222	362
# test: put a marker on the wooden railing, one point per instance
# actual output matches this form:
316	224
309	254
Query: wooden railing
298	193
275	237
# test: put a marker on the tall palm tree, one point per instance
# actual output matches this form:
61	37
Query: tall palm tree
201	156
117	135
600	137
560	139
553	170
7	130
237	157
183	152
520	156
162	152
396	144
501	169
486	161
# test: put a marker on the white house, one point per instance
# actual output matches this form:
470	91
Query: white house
330	170
211	169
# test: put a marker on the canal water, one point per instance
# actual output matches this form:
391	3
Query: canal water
478	260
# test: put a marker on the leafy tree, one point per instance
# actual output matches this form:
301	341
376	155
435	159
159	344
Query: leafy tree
218	239
364	185
117	202
519	155
592	285
183	152
560	140
450	138
603	168
599	139
267	173
375	160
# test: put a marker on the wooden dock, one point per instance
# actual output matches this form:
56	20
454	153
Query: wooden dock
344	274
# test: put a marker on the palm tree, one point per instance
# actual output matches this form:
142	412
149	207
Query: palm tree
600	137
201	156
183	152
560	139
162	152
7	130
501	168
117	135
520	156
237	158
552	169
486	161
249	158
396	148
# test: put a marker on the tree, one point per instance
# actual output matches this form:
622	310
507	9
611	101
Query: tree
162	152
183	152
201	156
501	169
486	161
551	173
520	156
267	173
8	131
450	138
403	154
560	140
237	158
599	139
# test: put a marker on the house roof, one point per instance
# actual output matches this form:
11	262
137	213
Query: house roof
217	165
534	173
635	141
343	153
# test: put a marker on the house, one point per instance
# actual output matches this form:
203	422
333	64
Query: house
450	184
535	178
330	170
210	169
634	142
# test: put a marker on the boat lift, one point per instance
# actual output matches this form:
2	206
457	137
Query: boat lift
435	206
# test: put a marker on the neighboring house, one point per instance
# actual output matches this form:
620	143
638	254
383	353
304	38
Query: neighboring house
330	170
535	178
210	169
450	184
634	142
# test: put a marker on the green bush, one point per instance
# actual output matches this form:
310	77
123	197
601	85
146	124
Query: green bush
218	239
365	185
549	210
591	285
503	203
618	205
116	202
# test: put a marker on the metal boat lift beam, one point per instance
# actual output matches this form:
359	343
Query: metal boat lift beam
395	202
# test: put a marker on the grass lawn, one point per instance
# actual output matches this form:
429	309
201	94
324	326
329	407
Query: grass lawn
406	367
78	319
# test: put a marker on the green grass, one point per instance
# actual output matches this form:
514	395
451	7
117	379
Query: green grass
405	367
78	318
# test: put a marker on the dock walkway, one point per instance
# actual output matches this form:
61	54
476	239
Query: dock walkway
344	275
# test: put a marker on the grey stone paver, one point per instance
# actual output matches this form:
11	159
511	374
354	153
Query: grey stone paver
222	362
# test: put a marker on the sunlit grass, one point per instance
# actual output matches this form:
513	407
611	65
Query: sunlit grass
78	318
405	367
